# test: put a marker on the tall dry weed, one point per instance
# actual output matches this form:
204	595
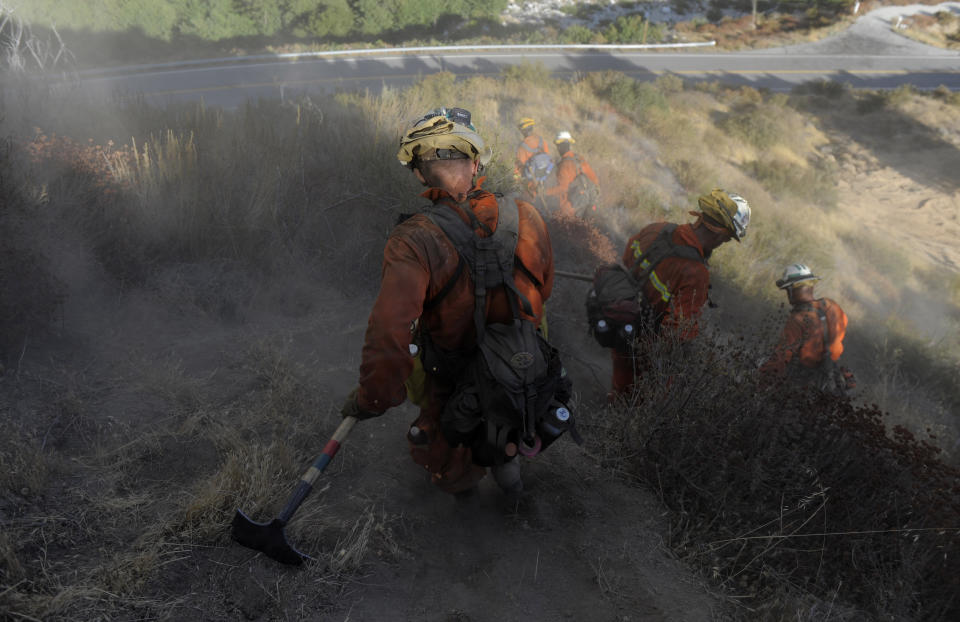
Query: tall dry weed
778	491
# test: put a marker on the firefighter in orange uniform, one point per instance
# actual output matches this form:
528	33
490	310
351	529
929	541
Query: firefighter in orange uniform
423	285
569	168
812	339
531	144
678	284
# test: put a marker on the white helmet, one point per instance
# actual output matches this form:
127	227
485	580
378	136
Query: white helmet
563	137
727	209
795	274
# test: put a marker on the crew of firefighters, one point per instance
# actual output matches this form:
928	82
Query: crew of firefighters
676	289
666	264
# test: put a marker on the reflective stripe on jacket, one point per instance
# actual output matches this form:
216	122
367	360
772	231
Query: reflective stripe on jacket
418	260
678	287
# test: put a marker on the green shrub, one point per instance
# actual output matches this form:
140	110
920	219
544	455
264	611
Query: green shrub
633	29
628	95
376	16
872	102
213	20
875	101
900	95
669	83
577	34
946	18
944	94
828	88
528	73
333	18
760	126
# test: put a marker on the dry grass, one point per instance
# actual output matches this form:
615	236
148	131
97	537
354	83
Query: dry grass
940	30
773	29
200	207
793	503
162	493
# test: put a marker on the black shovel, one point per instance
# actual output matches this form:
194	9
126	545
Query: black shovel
269	538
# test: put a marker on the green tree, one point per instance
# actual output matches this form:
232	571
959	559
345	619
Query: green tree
214	20
265	15
155	19
331	18
377	16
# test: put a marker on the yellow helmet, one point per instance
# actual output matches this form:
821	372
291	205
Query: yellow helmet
525	122
442	134
727	209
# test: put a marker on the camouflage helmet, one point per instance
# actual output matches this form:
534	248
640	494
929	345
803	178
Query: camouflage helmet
442	134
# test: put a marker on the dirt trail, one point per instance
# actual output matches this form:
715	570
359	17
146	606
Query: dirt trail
577	546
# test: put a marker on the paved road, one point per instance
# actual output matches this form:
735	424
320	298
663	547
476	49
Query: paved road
868	55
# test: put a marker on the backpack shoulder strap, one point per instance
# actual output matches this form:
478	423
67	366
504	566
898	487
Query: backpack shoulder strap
460	235
536	149
661	248
506	237
579	163
490	259
822	314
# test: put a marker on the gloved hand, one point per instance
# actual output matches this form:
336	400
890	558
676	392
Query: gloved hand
351	408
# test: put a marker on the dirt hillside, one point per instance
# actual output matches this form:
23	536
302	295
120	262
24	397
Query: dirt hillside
152	411
579	545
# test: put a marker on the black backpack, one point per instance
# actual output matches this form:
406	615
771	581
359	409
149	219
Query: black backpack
617	310
583	194
510	388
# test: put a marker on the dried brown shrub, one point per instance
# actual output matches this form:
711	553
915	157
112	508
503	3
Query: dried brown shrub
779	493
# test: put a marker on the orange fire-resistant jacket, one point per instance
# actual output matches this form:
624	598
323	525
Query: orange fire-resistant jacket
528	146
678	287
802	340
418	261
568	168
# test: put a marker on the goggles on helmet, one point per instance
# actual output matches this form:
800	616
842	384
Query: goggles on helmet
442	134
457	115
442	154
